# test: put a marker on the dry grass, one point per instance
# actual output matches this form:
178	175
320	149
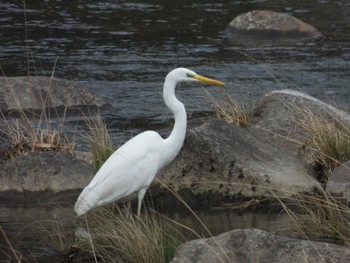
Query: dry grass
117	235
321	217
100	141
12	255
24	135
114	234
57	236
230	110
24	138
329	141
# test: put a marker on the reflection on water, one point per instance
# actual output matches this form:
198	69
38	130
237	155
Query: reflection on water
221	221
32	232
35	232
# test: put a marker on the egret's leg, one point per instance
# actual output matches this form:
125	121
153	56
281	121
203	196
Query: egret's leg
140	196
128	206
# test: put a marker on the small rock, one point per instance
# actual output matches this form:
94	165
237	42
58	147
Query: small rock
339	181
269	24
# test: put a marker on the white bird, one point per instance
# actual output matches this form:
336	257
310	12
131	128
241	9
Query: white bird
130	170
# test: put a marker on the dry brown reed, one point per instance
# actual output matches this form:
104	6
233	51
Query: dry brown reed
328	141
320	216
100	141
231	110
117	235
21	138
24	134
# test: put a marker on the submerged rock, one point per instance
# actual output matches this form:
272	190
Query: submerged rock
253	245
265	24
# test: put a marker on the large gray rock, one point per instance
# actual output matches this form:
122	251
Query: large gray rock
269	25
253	245
278	114
222	163
43	177
57	96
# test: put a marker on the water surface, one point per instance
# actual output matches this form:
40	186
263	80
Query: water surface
123	50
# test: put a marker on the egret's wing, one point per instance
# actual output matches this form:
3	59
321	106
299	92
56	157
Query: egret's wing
129	169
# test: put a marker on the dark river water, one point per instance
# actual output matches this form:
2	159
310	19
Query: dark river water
122	50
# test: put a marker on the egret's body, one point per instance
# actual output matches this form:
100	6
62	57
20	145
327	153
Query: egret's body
130	170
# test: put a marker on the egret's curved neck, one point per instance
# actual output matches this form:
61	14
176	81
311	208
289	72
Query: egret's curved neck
177	136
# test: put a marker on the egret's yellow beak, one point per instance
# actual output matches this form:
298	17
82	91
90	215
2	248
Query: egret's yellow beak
209	81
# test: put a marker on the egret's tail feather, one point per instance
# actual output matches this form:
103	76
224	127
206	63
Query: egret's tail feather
86	201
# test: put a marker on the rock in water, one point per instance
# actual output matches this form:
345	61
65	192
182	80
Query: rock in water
42	177
57	96
268	24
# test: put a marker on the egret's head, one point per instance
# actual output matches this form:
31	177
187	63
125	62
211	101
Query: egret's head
184	74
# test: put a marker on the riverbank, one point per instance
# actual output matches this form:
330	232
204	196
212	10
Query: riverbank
221	166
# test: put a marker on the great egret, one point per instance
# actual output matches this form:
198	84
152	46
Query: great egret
130	170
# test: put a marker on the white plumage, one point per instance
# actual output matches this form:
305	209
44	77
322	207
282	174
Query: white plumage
130	170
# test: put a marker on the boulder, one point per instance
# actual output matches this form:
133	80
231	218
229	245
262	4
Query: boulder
43	177
57	96
253	245
277	115
265	24
339	181
221	163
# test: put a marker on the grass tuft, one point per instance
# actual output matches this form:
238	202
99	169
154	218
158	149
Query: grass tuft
100	141
328	143
117	235
230	110
19	138
24	135
322	217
